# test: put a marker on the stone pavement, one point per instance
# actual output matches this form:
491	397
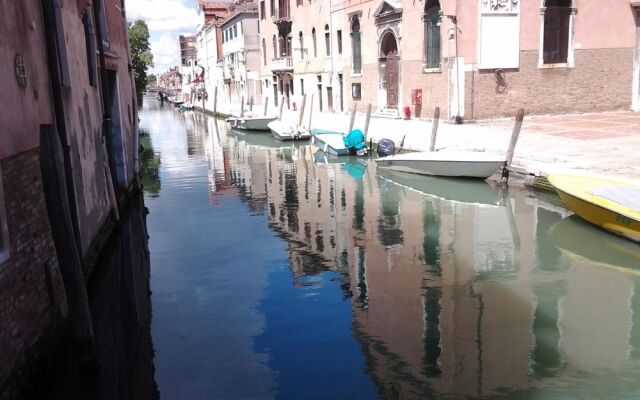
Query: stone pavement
601	143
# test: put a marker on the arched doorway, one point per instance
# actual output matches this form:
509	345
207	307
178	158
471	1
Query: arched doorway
389	68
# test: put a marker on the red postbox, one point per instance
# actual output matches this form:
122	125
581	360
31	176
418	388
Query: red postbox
407	112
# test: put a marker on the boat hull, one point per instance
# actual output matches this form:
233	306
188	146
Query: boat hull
441	166
251	123
286	133
606	219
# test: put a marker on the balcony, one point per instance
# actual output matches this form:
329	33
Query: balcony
282	64
281	15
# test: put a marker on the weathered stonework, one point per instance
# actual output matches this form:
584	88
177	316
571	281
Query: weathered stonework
32	297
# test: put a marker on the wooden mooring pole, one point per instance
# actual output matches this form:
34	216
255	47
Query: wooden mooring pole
304	100
512	145
251	103
353	118
242	107
215	101
434	129
310	112
266	106
280	112
366	122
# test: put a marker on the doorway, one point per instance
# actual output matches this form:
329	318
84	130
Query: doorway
389	68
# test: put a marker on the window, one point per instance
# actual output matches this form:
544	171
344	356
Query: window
299	3
301	43
4	233
431	25
356	91
273	8
327	40
302	86
339	34
356	46
315	45
235	31
262	10
556	31
275	47
264	52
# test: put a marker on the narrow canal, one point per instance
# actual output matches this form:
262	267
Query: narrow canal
278	273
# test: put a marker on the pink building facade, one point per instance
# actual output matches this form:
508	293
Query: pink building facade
68	158
474	59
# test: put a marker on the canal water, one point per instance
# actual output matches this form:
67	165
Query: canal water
277	272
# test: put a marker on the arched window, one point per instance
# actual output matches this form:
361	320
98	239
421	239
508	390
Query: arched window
431	23
356	44
556	39
275	47
327	40
301	44
264	52
315	44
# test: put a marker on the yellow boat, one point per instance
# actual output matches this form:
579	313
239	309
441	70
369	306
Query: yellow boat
608	203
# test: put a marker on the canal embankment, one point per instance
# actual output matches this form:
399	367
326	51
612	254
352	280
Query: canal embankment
605	143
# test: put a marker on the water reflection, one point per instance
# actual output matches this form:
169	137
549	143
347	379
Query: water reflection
121	363
455	289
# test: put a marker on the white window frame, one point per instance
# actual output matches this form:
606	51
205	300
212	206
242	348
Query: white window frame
570	47
4	228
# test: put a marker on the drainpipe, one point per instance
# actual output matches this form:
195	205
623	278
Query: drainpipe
106	95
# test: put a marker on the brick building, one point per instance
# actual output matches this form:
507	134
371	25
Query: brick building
68	155
473	59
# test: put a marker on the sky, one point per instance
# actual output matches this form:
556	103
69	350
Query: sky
166	20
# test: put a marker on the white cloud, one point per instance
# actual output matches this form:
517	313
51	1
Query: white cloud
166	20
164	15
165	52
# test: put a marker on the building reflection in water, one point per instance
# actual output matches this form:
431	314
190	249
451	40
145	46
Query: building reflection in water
120	299
458	288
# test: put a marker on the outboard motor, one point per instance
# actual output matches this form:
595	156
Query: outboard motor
386	147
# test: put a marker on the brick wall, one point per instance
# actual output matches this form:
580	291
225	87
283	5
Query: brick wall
434	87
31	288
600	81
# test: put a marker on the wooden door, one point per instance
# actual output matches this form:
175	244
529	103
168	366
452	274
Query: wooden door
391	80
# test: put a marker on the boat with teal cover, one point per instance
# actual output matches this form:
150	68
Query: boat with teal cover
338	144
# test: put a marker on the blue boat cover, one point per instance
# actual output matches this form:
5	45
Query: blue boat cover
355	140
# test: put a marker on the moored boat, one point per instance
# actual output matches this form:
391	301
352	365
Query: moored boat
611	204
287	132
251	123
446	163
337	144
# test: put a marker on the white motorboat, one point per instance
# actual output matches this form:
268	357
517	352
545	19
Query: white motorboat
284	131
445	163
251	123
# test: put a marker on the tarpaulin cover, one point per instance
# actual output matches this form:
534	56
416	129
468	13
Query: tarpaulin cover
355	140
